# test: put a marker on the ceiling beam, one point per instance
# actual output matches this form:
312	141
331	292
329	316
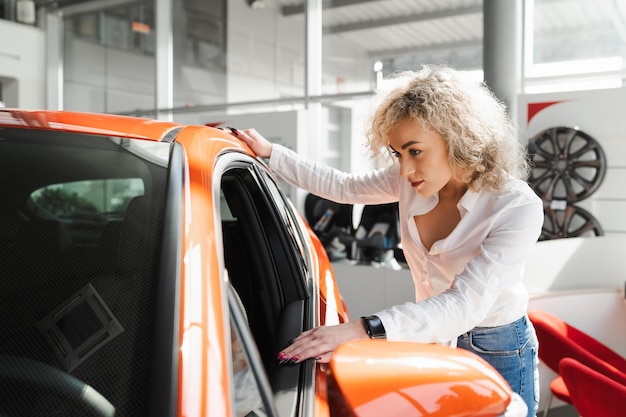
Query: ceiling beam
448	46
94	6
412	18
326	4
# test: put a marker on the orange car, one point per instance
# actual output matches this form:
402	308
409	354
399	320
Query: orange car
154	269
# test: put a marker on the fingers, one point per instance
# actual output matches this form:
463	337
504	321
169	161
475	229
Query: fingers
320	342
317	344
259	144
233	131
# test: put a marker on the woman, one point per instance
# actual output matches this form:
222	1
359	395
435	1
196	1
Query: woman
468	222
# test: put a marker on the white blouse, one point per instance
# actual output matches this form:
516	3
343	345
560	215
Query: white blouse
471	278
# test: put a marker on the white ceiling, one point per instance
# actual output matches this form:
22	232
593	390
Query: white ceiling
403	31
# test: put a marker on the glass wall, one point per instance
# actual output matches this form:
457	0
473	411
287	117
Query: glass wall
20	11
575	45
243	55
200	39
109	58
266	52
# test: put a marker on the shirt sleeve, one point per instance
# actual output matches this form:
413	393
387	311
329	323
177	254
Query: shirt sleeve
375	187
488	284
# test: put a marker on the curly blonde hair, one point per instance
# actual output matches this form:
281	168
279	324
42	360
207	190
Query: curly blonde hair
482	141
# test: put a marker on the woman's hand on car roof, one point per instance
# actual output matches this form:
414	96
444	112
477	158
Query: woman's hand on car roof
259	145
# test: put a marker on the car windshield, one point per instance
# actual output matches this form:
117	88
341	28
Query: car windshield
81	221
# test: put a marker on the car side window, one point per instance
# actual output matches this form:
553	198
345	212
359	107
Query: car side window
264	256
247	399
251	392
89	199
264	262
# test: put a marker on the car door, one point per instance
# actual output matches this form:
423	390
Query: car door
268	267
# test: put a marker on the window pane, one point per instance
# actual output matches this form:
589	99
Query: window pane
110	59
265	52
246	395
199	48
576	44
587	29
93	199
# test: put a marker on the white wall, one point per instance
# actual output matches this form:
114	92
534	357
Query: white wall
576	264
22	65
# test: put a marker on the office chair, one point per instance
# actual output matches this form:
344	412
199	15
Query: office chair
593	394
558	339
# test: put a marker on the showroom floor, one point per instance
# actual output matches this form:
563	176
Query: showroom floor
565	411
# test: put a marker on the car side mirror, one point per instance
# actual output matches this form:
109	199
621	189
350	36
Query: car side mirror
376	378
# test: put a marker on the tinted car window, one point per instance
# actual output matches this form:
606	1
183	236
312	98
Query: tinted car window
266	267
89	199
79	273
247	375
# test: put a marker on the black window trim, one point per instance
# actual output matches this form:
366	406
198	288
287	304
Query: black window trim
164	381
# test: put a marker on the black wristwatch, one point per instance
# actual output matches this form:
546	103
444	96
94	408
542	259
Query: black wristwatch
374	327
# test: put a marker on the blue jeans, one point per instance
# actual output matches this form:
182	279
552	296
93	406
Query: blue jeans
512	350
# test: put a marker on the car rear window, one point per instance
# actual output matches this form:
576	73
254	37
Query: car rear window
99	200
81	221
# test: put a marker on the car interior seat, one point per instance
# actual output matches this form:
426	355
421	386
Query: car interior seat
39	243
559	339
593	393
32	275
254	288
248	285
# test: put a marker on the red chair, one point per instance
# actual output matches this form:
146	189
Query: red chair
593	393
558	340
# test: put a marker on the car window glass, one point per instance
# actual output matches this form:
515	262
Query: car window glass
264	259
261	254
245	391
90	199
81	232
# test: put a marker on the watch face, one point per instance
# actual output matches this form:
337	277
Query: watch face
374	327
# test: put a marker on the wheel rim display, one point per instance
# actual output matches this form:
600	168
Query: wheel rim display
574	221
568	164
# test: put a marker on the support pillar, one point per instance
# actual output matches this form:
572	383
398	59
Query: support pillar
502	49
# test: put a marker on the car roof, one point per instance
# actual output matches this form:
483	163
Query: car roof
192	137
98	124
